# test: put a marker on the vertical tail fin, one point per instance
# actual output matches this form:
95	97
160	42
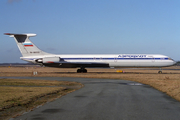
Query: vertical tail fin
26	47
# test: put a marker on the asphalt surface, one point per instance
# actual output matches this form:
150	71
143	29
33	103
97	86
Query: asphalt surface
105	99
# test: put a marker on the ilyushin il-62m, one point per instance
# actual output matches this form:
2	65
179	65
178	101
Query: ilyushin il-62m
33	54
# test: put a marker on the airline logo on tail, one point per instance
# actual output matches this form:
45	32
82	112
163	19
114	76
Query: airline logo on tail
28	44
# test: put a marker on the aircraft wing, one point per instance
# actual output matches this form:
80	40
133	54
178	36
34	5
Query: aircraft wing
76	64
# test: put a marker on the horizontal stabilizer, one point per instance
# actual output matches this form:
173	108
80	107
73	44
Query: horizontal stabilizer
28	35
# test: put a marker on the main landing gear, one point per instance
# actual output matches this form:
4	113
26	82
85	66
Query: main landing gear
160	71
82	70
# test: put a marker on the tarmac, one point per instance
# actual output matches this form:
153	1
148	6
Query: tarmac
106	99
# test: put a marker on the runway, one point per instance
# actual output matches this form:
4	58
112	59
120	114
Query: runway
105	99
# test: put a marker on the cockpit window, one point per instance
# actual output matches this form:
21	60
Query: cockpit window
170	59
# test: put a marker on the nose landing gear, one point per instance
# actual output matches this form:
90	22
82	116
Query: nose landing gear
160	71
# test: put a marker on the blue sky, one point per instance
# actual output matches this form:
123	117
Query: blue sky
92	26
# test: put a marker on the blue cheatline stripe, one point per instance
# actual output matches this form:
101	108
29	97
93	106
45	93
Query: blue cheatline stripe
115	58
106	58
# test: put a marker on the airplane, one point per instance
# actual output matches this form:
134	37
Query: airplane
31	53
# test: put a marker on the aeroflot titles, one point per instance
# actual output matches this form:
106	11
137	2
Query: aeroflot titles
132	56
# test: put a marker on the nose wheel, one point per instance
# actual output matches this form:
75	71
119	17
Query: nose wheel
160	71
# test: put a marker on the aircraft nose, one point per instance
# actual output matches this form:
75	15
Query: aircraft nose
174	62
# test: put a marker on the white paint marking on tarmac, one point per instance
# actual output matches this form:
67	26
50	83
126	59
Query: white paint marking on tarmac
135	84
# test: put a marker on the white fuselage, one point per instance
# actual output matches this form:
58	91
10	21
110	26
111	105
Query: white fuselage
113	60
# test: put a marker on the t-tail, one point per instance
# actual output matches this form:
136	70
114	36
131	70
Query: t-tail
26	47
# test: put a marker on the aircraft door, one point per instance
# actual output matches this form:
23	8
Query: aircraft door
115	59
153	59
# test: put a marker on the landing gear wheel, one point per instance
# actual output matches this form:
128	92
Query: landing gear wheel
81	71
160	71
84	71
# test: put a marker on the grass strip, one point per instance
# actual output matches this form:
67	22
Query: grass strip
15	98
28	82
19	96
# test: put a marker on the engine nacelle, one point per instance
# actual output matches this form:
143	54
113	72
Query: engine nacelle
48	60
